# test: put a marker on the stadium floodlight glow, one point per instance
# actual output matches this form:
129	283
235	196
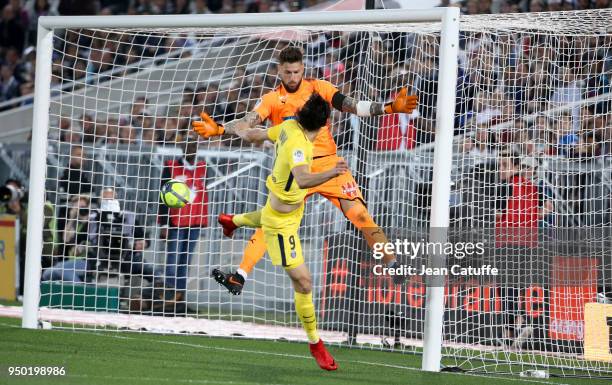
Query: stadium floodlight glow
145	78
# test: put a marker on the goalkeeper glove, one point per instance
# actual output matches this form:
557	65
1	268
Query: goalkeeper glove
403	103
207	127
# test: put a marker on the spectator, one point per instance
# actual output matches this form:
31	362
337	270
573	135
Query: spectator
88	128
214	6
138	111
529	170
72	266
481	145
517	202
133	262
128	134
9	86
76	7
24	69
566	136
73	183
211	100
147	136
198	7
568	91
75	180
18	207
35	9
181	227
166	129
537	6
11	58
72	136
583	4
602	4
12	32
588	146
181	7
491	109
108	133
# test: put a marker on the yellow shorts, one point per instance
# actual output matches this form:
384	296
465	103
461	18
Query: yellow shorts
281	236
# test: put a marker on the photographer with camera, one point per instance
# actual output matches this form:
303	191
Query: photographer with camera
74	181
12	202
74	240
111	232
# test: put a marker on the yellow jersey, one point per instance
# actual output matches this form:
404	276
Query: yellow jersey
293	149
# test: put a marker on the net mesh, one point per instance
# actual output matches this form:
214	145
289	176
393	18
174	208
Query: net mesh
531	154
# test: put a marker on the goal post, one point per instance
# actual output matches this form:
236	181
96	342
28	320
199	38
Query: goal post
38	166
440	196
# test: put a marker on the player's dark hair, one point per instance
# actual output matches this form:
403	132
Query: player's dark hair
314	114
290	55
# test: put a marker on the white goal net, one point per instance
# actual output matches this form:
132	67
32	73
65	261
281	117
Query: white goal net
531	178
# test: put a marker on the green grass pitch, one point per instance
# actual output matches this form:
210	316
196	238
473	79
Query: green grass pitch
140	358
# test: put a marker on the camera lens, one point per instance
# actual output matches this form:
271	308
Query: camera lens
83	212
8	193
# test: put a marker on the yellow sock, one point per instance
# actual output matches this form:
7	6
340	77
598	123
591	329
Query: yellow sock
306	311
251	219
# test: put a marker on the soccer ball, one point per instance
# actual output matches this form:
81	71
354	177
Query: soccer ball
175	194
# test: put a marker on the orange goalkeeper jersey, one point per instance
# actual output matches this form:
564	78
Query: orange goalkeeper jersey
280	105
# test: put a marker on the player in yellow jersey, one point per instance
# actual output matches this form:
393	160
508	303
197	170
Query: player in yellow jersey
288	184
279	105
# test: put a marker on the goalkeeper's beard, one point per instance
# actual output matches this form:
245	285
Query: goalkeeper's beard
292	89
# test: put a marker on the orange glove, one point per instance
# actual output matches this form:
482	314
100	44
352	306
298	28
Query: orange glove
207	127
403	103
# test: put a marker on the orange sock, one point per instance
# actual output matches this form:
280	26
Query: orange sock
254	251
361	218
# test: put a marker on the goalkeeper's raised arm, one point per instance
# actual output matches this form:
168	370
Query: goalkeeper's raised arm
281	103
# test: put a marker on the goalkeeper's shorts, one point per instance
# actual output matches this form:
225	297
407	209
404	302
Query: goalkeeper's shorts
341	187
281	236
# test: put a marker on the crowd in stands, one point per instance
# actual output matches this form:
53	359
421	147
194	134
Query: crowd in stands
506	83
19	21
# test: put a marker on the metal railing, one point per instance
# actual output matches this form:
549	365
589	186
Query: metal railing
581	191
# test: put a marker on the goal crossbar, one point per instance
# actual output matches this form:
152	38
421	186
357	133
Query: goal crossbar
249	20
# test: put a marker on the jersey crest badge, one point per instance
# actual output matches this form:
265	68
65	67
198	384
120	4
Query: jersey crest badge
298	156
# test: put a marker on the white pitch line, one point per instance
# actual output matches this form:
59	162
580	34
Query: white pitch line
171	380
305	357
349	361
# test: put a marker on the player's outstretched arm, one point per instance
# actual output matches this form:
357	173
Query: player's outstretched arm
208	128
403	103
305	179
253	135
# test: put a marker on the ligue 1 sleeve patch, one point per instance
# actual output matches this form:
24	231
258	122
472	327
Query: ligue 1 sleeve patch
298	156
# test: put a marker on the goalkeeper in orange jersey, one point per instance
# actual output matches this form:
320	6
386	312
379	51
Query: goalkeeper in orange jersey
342	191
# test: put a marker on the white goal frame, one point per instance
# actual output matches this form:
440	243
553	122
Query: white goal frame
449	42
